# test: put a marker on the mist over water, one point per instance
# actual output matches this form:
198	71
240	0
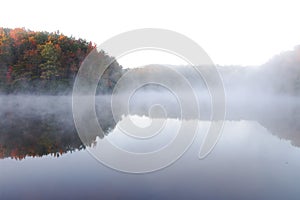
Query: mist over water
279	113
259	144
34	126
238	104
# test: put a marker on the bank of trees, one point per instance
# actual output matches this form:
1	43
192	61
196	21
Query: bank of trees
42	62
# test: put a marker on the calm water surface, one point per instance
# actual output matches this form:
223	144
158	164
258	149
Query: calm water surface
257	157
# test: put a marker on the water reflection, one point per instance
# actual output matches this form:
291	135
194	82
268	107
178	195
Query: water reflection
23	136
38	126
44	125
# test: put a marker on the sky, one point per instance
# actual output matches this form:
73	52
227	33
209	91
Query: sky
232	32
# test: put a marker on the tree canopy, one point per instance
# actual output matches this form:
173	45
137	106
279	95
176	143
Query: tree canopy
43	62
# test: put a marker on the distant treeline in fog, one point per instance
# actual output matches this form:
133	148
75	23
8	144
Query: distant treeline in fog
280	75
47	63
42	62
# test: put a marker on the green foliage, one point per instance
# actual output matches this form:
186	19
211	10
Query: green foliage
50	55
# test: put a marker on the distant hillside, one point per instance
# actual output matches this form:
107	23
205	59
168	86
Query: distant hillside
280	75
283	71
42	62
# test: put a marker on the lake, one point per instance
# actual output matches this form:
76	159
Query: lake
42	157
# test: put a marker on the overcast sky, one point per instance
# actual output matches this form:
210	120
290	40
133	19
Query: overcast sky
231	32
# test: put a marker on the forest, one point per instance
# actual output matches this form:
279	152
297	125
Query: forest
46	63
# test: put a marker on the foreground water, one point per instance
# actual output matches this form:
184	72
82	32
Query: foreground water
257	156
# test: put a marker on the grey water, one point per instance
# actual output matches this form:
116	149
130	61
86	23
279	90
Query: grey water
256	157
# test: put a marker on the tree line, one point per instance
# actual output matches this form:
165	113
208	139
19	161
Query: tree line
43	62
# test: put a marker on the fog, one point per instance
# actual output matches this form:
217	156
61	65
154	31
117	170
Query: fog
247	95
239	105
29	119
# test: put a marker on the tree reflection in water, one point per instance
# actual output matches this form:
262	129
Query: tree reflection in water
31	130
53	132
34	136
